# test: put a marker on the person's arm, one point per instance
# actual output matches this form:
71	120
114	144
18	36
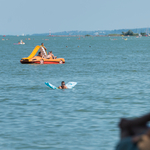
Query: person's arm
53	56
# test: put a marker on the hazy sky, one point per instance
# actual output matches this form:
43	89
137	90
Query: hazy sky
40	16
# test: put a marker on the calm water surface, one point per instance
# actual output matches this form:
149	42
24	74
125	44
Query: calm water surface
113	82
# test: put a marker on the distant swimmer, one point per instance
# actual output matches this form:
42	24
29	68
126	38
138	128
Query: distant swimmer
63	86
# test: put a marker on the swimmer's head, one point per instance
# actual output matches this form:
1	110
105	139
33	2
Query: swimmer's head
63	83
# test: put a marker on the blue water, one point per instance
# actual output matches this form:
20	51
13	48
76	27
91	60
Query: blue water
113	82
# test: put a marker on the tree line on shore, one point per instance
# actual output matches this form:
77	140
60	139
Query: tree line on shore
128	33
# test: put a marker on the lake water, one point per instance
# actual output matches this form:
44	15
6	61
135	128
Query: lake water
113	81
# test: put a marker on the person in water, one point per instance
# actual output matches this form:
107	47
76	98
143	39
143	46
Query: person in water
51	56
63	86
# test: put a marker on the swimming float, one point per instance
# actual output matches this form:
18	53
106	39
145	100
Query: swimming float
40	60
20	43
69	85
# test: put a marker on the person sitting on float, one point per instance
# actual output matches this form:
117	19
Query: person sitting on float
51	55
39	54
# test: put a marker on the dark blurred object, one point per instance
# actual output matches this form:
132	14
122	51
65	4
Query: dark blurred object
134	133
144	141
126	144
130	128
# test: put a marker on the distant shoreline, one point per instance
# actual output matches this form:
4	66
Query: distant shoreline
77	36
75	33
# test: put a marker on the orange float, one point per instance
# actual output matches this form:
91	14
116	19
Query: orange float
39	60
